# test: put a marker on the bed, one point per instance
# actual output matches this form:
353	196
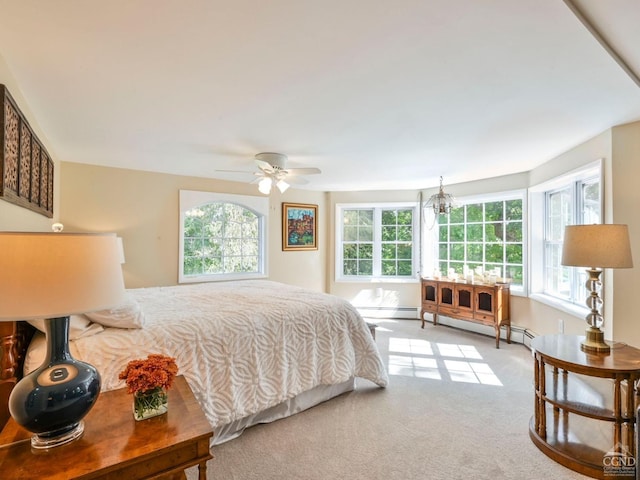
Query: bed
252	351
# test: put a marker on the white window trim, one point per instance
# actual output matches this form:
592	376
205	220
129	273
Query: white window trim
376	255
536	229
260	205
431	234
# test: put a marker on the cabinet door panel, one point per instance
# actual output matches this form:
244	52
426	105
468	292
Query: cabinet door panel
485	301
446	292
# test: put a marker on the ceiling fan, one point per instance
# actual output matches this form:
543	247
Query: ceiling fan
273	171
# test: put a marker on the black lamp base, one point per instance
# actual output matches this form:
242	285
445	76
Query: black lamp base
52	400
46	440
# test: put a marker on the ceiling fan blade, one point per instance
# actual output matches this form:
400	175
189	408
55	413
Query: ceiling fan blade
295	180
233	171
303	171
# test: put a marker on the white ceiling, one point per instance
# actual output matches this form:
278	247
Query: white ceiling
379	94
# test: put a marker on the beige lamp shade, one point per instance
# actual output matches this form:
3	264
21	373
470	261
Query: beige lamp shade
603	246
49	275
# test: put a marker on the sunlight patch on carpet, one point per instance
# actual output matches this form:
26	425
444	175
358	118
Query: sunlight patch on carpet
421	359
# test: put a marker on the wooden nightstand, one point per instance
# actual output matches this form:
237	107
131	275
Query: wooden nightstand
115	446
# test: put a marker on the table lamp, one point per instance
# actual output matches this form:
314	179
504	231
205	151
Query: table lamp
603	246
52	276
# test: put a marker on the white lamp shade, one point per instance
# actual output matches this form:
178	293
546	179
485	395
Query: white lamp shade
603	246
121	250
282	186
264	185
49	275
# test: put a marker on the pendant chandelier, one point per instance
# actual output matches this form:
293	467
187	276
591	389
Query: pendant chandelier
441	202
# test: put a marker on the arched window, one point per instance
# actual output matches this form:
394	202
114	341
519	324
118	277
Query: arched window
221	236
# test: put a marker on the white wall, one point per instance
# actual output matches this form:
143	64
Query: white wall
143	208
13	217
625	193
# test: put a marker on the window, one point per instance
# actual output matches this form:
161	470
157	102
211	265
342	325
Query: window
221	236
376	241
578	202
571	199
485	233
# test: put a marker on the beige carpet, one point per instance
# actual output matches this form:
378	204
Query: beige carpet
456	408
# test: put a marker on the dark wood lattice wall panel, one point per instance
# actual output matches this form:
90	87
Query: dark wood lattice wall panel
25	165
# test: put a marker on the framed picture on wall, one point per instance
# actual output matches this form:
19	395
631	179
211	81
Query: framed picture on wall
299	226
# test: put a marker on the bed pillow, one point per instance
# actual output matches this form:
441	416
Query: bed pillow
79	326
127	315
36	352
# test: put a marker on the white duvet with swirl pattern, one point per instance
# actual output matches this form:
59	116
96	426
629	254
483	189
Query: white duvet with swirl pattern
243	346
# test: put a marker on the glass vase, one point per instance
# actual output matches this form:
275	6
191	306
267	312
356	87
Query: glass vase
150	403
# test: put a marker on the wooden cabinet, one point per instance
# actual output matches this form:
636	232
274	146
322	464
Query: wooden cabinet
585	405
486	304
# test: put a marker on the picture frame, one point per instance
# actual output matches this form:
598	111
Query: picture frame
26	168
299	226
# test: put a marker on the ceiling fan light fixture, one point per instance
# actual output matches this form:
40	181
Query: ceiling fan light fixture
282	186
264	185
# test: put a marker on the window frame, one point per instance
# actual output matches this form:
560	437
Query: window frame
377	276
539	194
259	205
432	240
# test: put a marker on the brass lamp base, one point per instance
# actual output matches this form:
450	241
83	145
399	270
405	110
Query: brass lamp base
594	342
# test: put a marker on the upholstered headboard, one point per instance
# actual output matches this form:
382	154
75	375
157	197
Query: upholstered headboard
14	340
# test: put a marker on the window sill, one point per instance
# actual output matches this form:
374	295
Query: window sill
570	308
220	278
377	280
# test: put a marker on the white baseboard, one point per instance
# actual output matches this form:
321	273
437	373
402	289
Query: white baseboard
518	334
389	312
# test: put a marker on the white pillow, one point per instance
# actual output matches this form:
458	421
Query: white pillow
79	326
127	315
36	352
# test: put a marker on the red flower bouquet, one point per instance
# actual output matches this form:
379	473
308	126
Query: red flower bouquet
149	381
156	371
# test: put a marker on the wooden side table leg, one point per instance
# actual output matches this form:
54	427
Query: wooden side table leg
537	395
636	413
617	413
543	392
565	414
202	471
629	421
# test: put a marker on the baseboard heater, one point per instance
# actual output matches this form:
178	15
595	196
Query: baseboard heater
389	312
518	334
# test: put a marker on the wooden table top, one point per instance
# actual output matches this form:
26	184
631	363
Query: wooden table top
566	352
112	439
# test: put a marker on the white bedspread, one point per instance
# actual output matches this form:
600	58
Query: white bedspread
243	346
